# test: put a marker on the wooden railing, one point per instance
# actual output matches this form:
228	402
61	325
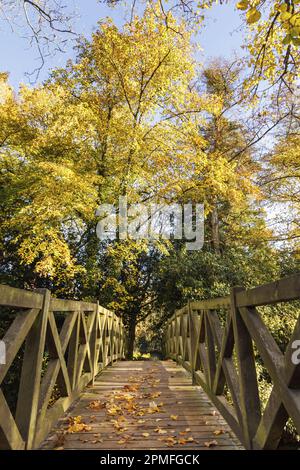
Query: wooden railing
63	345
215	340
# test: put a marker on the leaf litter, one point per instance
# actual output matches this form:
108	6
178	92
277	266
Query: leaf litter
124	409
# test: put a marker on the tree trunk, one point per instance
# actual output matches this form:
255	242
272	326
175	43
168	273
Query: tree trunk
131	339
215	231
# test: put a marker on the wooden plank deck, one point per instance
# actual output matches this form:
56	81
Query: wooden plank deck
142	405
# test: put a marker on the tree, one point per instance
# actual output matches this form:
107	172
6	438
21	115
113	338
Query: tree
236	249
46	24
122	120
281	183
137	84
272	38
128	118
126	286
227	138
275	40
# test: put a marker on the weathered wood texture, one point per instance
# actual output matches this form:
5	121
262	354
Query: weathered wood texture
186	418
65	344
220	357
61	356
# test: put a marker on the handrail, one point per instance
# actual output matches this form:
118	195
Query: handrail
221	359
89	338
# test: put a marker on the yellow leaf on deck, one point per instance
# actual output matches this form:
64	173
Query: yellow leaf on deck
218	432
160	431
210	444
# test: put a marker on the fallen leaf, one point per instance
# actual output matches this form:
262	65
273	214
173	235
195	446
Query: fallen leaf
174	417
170	441
182	441
76	425
96	405
113	410
210	444
160	431
155	395
145	434
218	432
119	426
131	388
130	406
153	407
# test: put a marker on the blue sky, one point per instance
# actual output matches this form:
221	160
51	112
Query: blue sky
221	36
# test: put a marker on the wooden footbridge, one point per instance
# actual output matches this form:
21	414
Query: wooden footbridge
76	391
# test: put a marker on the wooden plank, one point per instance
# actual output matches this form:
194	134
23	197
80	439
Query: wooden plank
10	436
211	304
52	416
249	396
270	428
73	351
195	325
56	362
194	411
226	372
280	291
28	397
61	305
15	337
210	346
19	298
84	354
282	372
220	403
31	326
63	380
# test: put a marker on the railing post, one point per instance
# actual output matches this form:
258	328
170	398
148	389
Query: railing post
93	343
192	341
28	397
73	351
185	335
123	341
249	396
170	337
166	341
176	335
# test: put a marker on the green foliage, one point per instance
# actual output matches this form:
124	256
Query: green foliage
134	115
